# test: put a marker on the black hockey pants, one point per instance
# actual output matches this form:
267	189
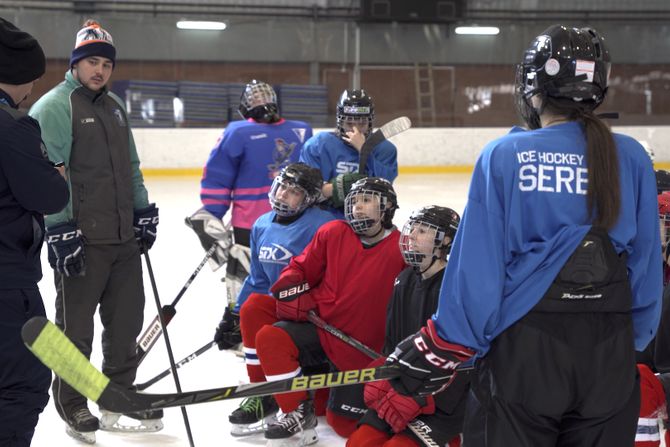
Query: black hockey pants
114	282
564	374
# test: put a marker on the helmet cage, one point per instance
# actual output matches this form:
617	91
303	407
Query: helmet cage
362	225
411	251
282	208
258	102
355	107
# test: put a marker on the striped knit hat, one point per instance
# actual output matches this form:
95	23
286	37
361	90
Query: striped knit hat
93	40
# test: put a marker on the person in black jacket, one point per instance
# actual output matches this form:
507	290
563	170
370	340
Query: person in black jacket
424	242
30	186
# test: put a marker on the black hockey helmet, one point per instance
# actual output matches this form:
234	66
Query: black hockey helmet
440	220
259	102
569	66
371	186
305	178
353	106
662	180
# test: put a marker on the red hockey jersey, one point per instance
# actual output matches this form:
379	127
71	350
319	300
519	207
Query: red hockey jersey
351	286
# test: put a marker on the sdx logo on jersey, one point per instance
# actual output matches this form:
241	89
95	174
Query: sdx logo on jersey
274	254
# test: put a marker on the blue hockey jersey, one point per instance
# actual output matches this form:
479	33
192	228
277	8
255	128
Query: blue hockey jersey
327	152
243	164
525	215
274	244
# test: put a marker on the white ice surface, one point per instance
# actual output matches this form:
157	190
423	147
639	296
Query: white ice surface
174	257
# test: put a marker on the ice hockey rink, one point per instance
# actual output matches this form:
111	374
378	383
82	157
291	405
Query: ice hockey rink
174	257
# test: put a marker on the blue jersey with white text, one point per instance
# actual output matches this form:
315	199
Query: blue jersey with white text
327	152
243	164
274	244
525	215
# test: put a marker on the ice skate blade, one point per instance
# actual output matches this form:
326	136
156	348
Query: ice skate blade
240	430
306	437
110	422
87	437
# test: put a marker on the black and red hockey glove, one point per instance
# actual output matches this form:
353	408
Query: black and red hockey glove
289	286
396	409
427	363
293	303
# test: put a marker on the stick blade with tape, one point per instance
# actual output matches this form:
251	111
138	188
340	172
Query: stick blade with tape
56	351
388	130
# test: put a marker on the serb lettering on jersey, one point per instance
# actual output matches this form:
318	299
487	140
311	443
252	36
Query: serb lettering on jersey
556	172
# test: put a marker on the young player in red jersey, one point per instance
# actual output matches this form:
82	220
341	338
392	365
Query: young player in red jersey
425	242
345	275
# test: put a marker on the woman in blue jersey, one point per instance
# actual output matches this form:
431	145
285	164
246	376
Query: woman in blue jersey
554	278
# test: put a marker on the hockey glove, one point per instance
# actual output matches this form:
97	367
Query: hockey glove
66	249
397	410
295	309
289	286
228	333
145	221
427	363
211	230
341	187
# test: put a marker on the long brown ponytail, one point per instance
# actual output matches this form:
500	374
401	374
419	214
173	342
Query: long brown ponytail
603	197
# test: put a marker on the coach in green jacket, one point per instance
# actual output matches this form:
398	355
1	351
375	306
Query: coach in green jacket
93	242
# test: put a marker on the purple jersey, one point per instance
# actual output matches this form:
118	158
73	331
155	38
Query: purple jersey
242	165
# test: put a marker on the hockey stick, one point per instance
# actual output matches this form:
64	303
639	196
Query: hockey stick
418	427
56	351
393	127
318	322
168	346
167	312
179	364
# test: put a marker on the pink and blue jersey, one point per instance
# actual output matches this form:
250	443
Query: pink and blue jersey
243	164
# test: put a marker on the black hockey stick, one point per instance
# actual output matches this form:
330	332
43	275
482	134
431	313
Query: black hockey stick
168	346
318	322
167	312
418	427
393	127
179	364
56	351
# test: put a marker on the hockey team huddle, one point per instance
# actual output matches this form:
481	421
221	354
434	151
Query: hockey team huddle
324	245
515	325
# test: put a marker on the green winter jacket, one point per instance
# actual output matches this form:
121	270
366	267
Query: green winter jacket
89	132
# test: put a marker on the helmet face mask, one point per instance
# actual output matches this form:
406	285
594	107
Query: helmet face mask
370	206
355	108
296	188
259	102
364	211
423	239
565	66
419	241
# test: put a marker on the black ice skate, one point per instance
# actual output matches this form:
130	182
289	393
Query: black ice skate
294	429
82	425
253	416
140	422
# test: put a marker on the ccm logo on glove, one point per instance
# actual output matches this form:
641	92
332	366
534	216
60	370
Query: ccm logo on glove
436	360
293	291
147	220
64	236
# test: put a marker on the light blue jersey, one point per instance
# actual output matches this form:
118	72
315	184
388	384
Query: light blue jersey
525	215
274	244
327	152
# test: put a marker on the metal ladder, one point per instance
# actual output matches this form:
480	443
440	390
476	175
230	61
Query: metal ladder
425	94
